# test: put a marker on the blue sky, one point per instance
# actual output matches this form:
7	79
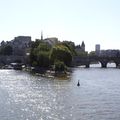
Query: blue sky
94	21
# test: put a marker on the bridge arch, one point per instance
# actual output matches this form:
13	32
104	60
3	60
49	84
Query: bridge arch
78	61
95	64
104	64
111	64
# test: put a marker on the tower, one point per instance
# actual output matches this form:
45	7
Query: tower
97	49
41	35
83	46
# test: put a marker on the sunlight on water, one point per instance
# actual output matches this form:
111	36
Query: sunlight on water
29	97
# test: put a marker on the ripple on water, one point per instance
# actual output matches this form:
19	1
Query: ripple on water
24	96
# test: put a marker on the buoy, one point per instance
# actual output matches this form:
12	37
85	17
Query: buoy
78	84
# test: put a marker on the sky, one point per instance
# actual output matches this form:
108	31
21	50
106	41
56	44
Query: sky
91	21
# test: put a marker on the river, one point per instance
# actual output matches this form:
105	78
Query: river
24	96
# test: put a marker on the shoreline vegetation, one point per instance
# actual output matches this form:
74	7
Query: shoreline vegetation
43	72
51	61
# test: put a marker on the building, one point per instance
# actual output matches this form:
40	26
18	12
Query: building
19	47
97	49
83	46
80	48
20	44
51	41
109	53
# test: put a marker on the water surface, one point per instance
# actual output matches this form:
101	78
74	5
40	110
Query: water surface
28	97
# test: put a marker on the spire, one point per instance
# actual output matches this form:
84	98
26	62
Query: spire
83	44
41	35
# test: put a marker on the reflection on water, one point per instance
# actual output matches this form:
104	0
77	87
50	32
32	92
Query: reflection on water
28	97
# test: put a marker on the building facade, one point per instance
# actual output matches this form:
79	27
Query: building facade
19	45
97	49
109	53
80	48
51	41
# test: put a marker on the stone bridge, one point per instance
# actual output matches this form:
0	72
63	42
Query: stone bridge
79	61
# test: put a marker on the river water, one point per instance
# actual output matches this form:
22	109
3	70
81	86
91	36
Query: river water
24	96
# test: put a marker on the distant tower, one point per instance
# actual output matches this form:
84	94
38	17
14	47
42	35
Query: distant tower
83	46
41	35
97	49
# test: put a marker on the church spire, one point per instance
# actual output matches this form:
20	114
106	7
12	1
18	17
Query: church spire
83	46
41	35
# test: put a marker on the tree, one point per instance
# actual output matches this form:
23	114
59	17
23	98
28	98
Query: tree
82	54
35	44
71	46
6	50
59	66
43	59
39	55
92	53
62	53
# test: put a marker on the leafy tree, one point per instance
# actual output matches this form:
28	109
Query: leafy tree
70	43
59	66
6	50
92	53
39	55
62	53
70	46
82	54
43	47
43	59
33	57
34	63
35	44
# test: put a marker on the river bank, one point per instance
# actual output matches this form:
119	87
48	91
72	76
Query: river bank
49	73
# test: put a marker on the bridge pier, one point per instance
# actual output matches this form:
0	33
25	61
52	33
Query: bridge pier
117	64
87	65
104	64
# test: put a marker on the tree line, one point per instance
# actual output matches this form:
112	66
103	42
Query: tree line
44	55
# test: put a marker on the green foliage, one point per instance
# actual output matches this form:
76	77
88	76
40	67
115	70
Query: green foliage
34	63
6	50
70	46
59	66
43	59
62	53
82	54
43	55
33	56
43	47
35	44
70	43
39	55
92	53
